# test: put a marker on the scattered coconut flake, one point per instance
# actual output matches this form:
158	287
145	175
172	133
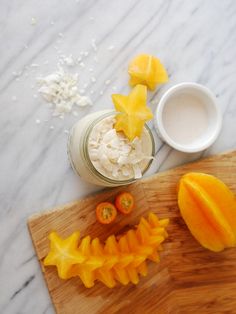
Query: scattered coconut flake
69	60
84	53
93	79
82	65
107	82
92	92
37	121
51	127
82	91
34	65
114	87
13	98
60	89
91	18
61	35
35	96
84	101
95	59
101	92
79	59
17	74
85	85
66	131
33	21
52	22
90	70
111	47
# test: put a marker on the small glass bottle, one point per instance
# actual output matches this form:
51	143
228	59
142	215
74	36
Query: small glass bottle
79	154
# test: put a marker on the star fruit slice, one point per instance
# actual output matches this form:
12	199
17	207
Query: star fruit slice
133	112
64	253
148	70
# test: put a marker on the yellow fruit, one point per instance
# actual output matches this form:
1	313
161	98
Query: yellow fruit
118	260
209	210
148	70
133	112
64	253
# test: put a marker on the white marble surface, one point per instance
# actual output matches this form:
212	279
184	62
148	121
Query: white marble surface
195	39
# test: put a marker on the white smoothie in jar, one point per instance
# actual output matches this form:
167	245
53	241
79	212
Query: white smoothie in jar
102	156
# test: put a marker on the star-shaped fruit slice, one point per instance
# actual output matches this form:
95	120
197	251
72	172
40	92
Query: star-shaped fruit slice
86	270
64	253
133	112
148	70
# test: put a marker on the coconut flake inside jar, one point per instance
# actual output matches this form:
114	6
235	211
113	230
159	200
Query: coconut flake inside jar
114	156
103	156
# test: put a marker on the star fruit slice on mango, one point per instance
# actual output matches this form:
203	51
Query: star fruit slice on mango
133	112
148	70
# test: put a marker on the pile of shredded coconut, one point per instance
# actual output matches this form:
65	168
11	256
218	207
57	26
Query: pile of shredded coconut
113	154
60	89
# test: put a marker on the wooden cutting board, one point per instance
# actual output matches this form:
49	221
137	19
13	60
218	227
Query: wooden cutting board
189	279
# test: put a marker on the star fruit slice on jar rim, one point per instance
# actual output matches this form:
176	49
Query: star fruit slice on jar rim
133	112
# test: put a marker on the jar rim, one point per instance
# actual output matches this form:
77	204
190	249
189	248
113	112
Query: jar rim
91	165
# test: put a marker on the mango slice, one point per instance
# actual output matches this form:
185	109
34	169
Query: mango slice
147	70
209	209
118	260
133	112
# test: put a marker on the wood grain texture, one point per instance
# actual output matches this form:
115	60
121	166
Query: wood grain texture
189	279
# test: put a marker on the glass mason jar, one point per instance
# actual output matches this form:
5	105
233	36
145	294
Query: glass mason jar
79	155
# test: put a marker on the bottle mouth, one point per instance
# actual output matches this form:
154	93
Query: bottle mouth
99	174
